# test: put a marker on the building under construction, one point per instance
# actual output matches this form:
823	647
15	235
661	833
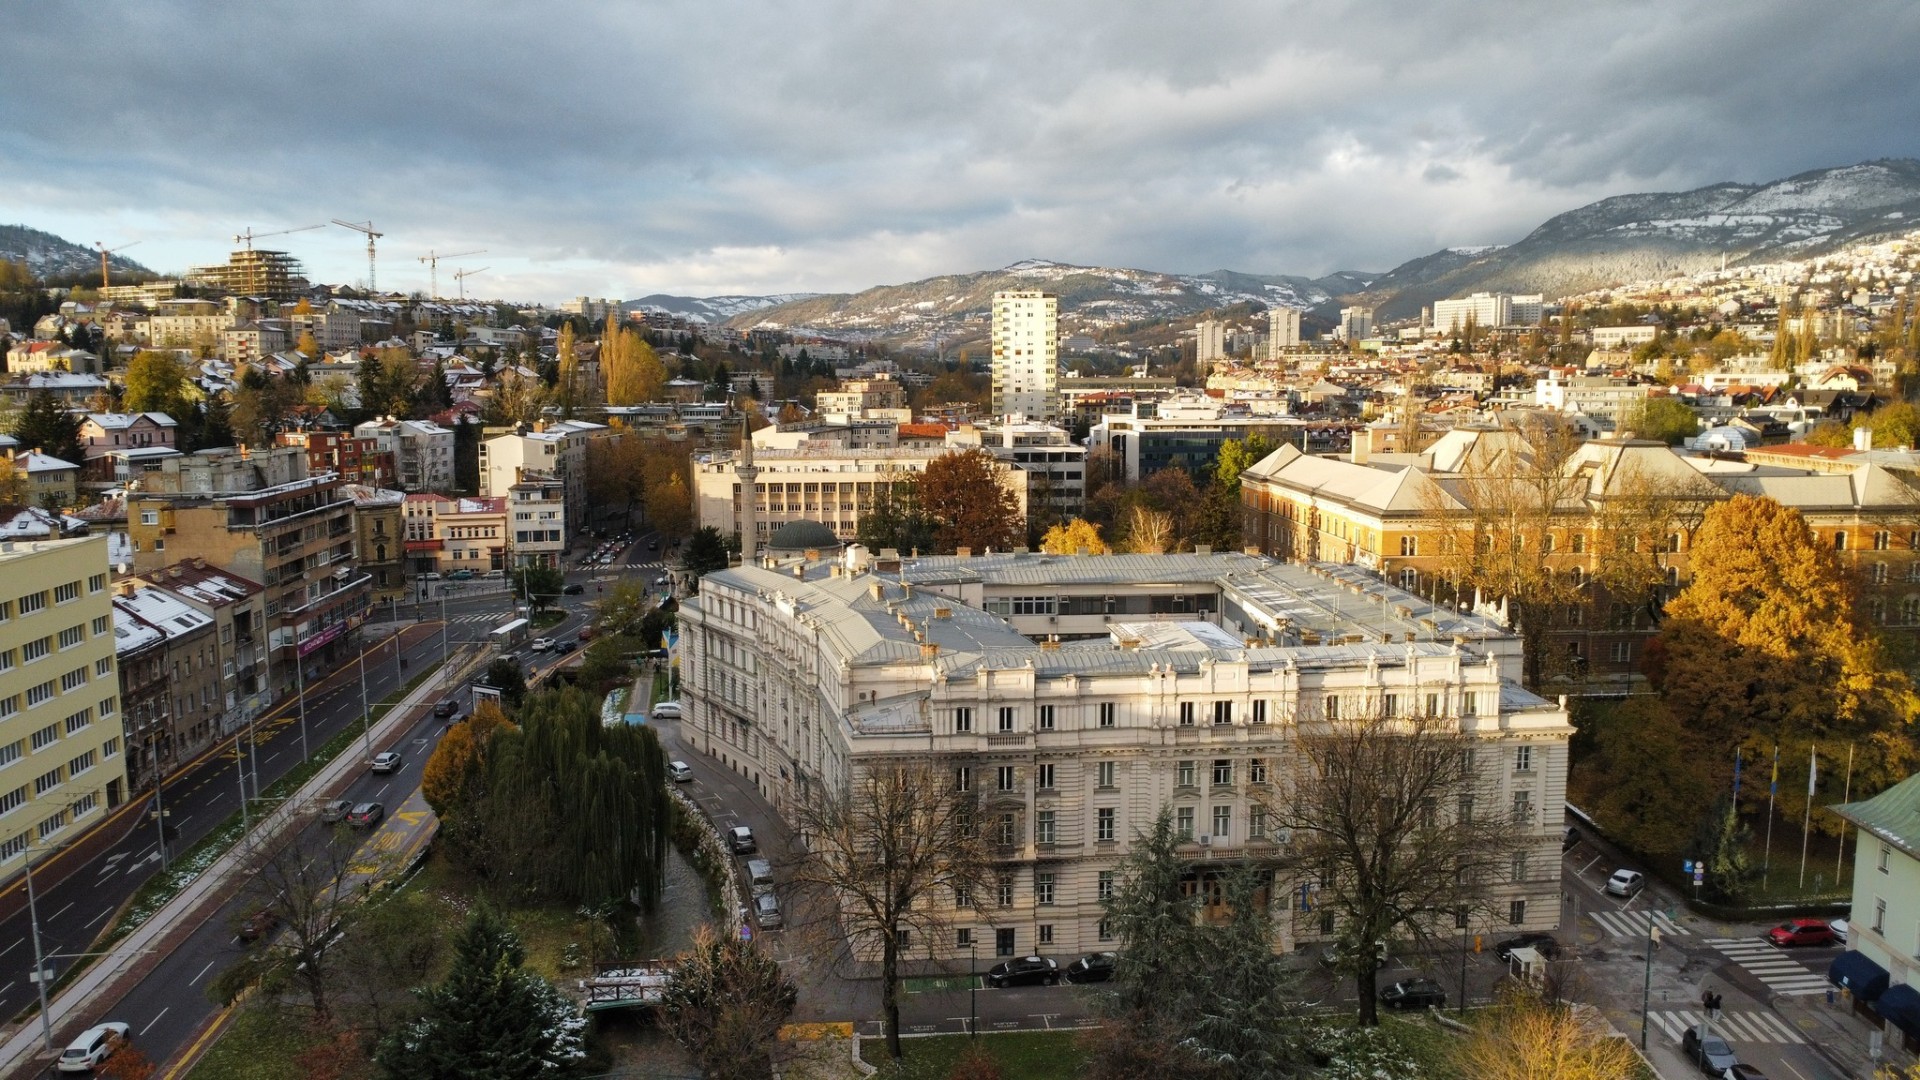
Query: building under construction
254	272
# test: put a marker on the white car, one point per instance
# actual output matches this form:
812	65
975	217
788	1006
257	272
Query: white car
1839	928
542	644
386	761
95	1045
679	772
667	710
1626	883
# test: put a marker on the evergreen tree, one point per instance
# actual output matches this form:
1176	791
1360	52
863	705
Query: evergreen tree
706	552
47	426
1721	843
489	1019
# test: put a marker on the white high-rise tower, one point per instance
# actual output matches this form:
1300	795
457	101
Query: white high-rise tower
1026	354
1283	331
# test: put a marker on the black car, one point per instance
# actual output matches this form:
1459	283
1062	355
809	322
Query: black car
565	645
1024	971
1414	994
1091	968
1544	944
573	588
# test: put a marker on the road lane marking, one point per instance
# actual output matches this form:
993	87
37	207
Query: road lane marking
203	973
56	915
155	1020
98	919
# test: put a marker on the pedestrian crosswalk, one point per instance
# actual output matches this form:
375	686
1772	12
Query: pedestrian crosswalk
1736	1026
479	617
1780	972
1629	924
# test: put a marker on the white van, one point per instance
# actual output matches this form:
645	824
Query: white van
760	876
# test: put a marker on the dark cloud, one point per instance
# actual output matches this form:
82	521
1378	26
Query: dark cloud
620	149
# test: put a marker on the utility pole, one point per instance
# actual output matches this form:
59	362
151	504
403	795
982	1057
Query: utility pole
300	683
366	712
41	973
1646	988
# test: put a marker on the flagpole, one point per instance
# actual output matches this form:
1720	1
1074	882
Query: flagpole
1813	782
1839	861
1736	780
1773	788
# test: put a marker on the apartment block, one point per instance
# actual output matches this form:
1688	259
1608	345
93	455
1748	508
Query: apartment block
539	510
296	538
422	451
557	450
1283	331
1026	354
62	760
1184	688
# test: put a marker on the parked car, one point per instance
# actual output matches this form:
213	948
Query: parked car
1334	956
460	575
258	925
572	588
1024	971
1569	838
447	708
1544	944
95	1045
1414	994
565	646
366	815
1708	1051
759	876
1091	968
766	911
666	710
385	761
335	811
1743	1072
740	838
1626	883
542	644
1840	929
679	772
1801	932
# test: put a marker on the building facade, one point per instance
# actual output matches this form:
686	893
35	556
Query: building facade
1881	966
62	760
1283	331
1189	682
295	538
1026	354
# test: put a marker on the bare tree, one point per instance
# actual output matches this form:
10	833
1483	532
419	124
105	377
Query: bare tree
900	851
1394	823
1531	1035
304	898
1503	517
1643	521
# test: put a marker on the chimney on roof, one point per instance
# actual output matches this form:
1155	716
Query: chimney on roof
963	553
1862	439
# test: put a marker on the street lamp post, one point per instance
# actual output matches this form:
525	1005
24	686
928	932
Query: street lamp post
1463	962
160	815
1646	989
973	992
39	960
366	712
300	684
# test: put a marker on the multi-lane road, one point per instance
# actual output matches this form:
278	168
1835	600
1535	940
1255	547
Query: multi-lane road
169	1003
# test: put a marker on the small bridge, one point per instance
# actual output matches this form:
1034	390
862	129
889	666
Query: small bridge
627	988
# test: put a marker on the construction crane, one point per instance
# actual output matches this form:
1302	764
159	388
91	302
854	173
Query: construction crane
249	236
366	227
104	252
461	276
432	259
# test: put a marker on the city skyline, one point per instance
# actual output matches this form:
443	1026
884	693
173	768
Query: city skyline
755	149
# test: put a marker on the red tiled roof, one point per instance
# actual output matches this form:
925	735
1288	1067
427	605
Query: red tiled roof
1807	450
923	431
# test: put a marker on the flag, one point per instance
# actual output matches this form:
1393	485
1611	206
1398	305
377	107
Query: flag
1813	771
1736	774
1773	786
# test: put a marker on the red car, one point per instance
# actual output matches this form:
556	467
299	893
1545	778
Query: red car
1801	932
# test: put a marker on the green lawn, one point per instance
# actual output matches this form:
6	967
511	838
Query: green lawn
260	1044
1022	1055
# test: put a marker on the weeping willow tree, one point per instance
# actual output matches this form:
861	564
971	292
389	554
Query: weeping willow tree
577	811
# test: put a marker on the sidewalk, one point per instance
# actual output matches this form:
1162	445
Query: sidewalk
1840	1035
92	994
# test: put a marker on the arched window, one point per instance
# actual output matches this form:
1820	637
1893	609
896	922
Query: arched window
1840	541
1409	546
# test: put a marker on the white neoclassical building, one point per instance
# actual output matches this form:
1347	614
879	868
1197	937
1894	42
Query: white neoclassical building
1080	694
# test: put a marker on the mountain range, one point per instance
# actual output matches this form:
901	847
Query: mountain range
1613	241
49	256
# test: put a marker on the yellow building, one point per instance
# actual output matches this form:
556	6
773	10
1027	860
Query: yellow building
1409	518
61	760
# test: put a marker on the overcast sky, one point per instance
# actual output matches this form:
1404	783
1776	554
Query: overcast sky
733	146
